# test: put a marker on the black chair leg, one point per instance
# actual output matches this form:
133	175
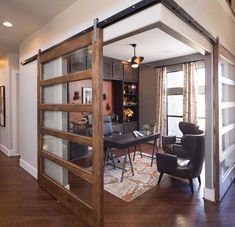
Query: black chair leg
191	185
160	177
134	153
199	179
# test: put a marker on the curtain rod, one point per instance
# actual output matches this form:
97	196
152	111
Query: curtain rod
170	4
181	63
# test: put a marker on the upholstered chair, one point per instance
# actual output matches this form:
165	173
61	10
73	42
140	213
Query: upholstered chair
170	144
189	168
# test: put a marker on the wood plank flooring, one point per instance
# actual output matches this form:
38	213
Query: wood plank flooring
23	203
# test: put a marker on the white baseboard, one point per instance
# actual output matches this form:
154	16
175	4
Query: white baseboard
8	152
28	168
209	194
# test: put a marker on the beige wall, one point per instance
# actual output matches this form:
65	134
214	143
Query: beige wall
8	63
147	90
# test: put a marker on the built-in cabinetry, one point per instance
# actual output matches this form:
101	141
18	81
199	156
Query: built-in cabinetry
125	94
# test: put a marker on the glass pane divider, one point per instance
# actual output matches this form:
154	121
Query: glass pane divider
227	152
226	105
84	140
227	128
66	107
67	47
231	168
77	170
225	80
71	77
56	190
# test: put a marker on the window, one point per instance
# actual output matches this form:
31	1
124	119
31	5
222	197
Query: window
175	84
175	81
201	108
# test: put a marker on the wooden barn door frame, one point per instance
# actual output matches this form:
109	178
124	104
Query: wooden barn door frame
219	51
91	214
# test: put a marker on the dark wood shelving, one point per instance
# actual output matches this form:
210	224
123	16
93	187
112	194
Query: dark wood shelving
125	89
131	105
129	94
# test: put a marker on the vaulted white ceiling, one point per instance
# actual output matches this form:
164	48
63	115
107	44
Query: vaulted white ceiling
27	16
153	45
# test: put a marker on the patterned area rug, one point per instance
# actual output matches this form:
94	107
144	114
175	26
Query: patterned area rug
132	186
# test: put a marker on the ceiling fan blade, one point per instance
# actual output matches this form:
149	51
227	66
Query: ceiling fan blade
139	59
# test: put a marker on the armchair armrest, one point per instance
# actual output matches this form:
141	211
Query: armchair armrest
168	140
166	163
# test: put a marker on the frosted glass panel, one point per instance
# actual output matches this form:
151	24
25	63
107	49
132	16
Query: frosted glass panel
71	182
54	68
78	154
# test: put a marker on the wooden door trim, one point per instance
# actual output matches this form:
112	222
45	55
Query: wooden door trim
71	77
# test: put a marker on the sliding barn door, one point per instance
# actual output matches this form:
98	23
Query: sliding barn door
224	92
70	150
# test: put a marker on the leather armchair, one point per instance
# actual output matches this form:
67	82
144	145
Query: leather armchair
189	168
170	144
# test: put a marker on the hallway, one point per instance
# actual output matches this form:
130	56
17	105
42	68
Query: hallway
24	203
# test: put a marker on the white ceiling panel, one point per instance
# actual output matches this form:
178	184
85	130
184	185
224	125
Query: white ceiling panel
153	45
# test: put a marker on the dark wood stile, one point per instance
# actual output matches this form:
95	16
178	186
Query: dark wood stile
97	130
39	118
67	47
83	75
83	173
67	136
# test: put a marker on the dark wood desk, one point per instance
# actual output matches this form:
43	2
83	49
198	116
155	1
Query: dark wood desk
126	141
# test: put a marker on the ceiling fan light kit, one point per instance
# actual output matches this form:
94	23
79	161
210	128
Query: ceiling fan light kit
135	61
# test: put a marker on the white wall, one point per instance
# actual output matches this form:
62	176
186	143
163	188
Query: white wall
8	63
77	17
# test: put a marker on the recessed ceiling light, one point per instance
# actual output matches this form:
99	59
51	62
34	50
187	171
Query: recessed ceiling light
7	24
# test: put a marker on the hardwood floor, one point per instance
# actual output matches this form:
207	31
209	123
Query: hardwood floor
24	203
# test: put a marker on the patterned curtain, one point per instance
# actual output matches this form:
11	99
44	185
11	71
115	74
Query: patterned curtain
161	95
189	93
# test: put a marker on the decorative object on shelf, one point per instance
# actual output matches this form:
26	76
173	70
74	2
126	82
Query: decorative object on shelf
76	95
104	96
86	95
145	129
128	113
108	107
132	89
2	107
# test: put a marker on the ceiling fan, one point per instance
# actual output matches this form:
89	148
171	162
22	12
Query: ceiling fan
135	61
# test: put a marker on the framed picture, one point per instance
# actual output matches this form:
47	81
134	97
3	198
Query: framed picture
86	95
2	107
